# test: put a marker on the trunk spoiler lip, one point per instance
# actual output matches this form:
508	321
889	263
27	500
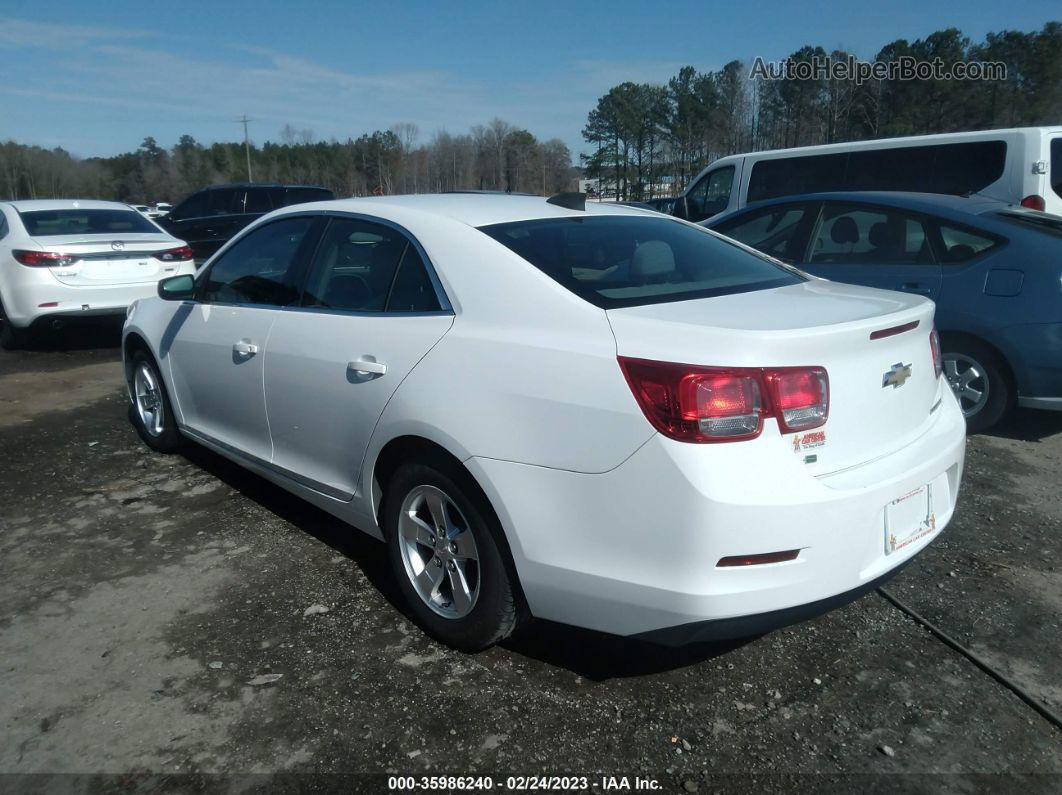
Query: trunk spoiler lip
892	331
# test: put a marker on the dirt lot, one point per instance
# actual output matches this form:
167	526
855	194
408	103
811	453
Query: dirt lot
140	594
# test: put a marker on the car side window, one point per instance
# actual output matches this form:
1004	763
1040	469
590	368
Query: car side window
412	290
221	202
772	230
260	267
192	207
355	266
711	195
3	226
256	200
960	245
869	235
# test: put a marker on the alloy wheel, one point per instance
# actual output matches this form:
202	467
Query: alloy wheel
968	380
439	552
148	395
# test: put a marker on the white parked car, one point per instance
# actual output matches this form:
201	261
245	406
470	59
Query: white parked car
592	414
159	210
143	209
62	258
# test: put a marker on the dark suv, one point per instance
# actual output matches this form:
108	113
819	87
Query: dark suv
207	219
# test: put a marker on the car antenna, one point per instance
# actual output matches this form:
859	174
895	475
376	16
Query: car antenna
571	201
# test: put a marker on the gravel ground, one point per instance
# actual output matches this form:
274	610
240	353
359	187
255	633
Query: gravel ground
147	601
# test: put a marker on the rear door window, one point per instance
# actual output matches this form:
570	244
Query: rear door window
772	230
261	268
355	266
616	261
854	235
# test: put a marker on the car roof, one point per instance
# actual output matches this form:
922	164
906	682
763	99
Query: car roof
30	205
473	209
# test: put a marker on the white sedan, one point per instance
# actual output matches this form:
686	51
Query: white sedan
63	258
586	413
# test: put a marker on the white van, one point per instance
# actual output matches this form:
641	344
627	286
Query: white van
1021	166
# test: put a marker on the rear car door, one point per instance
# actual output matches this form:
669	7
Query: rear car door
214	349
873	245
370	310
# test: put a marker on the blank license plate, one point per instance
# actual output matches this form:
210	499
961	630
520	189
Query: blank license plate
909	518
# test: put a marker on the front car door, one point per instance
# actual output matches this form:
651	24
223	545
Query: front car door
711	195
873	245
214	351
370	310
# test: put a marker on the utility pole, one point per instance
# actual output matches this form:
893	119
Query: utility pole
246	144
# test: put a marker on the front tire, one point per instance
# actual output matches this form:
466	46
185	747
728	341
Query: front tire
151	411
444	544
978	379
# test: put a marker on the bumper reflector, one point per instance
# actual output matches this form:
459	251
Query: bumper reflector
755	560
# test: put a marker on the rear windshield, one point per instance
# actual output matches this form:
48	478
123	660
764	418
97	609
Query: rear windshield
615	261
44	223
1045	222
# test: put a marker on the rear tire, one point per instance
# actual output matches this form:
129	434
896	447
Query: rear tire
151	411
978	378
458	585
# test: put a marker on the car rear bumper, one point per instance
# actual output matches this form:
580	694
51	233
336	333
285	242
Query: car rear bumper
23	298
635	550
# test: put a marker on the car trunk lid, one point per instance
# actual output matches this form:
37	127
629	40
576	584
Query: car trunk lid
874	345
105	259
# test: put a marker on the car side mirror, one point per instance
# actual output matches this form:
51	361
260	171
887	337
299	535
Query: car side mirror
177	288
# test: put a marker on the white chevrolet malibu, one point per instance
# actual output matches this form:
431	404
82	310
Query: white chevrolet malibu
63	258
586	413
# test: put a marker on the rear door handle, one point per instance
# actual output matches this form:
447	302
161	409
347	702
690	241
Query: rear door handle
245	348
367	365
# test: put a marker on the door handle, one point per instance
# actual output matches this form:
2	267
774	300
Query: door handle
367	365
915	287
245	348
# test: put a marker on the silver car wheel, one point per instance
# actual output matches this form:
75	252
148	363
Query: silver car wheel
967	378
439	552
148	396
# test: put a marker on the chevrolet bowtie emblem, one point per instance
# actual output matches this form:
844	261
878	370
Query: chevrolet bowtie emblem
896	376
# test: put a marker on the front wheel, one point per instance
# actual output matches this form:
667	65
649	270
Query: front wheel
978	379
150	412
443	543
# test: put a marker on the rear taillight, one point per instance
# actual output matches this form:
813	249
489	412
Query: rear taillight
175	254
934	347
801	397
709	404
43	259
1034	202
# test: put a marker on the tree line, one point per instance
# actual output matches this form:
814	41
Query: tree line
494	156
645	140
651	140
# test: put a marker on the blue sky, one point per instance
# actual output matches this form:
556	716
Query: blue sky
95	78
